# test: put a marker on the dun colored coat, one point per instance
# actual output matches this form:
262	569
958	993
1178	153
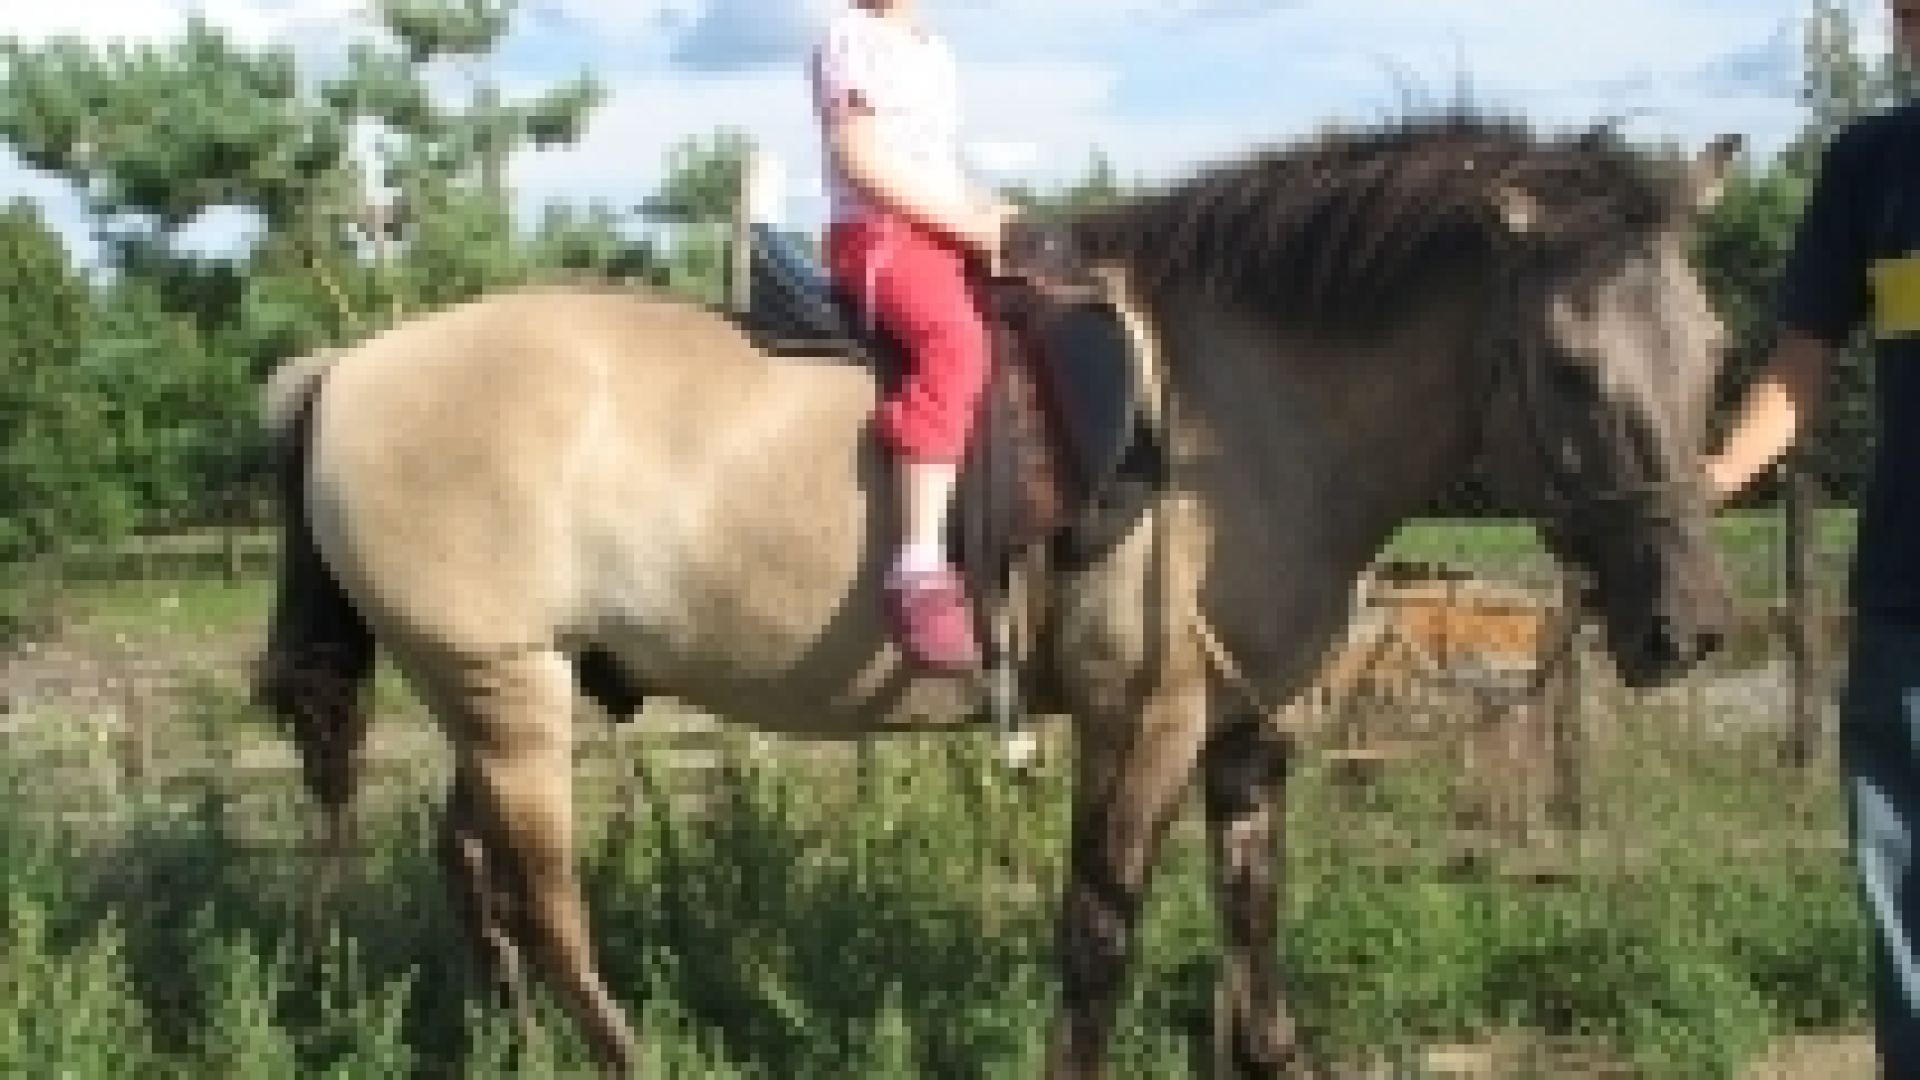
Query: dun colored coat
1338	331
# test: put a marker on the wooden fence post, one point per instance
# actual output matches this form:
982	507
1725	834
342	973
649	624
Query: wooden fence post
740	253
1563	698
232	567
1797	572
136	729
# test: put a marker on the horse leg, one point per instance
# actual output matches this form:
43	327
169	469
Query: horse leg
1245	766
1128	781
514	737
477	898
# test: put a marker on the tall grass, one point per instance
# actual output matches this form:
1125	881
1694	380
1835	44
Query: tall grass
798	922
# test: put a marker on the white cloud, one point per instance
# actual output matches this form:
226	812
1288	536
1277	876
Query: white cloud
1563	63
622	18
734	34
999	157
1066	111
621	156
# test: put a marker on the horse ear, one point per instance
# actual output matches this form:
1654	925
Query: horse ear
1708	176
1519	211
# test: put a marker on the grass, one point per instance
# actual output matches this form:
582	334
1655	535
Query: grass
1752	546
160	608
800	924
1745	536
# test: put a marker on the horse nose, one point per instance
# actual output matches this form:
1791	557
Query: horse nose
1710	641
1671	646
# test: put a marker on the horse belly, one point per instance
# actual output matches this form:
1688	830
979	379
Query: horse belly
753	593
899	704
833	683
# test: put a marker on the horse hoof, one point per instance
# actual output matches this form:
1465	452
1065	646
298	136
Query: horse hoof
1271	1054
1019	750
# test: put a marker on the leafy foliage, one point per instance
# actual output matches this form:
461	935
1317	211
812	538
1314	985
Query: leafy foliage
56	430
55	423
779	917
1740	250
1100	184
157	136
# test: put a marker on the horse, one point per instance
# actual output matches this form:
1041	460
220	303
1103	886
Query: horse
1333	333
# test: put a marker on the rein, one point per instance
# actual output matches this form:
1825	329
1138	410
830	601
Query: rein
1572	500
1515	365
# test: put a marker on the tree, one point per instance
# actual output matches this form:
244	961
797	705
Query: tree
53	416
594	241
696	202
156	135
448	232
53	423
1098	186
702	179
159	134
1839	82
1740	250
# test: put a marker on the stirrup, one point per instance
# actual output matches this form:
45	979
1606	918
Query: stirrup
1019	743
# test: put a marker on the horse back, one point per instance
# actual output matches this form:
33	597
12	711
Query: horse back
553	463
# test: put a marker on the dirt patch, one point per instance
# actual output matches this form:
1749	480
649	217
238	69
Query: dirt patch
1818	1057
1523	1056
88	675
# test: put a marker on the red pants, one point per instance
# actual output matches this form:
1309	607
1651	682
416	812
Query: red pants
914	283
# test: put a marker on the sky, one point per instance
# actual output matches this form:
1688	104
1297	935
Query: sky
1160	86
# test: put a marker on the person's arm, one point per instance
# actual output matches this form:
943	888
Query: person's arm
1822	298
1782	403
850	141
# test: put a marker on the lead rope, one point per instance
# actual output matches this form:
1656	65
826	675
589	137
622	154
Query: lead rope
1172	505
1008	646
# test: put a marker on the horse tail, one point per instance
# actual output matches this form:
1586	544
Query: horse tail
318	659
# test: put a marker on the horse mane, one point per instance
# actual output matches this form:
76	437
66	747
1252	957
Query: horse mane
1329	232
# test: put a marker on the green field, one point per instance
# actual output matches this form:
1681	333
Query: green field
800	922
1744	537
805	926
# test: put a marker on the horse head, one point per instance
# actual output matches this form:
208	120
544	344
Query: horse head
1603	360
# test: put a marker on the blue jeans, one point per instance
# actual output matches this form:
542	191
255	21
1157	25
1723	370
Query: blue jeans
1880	756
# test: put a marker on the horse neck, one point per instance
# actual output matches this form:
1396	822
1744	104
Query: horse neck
1340	438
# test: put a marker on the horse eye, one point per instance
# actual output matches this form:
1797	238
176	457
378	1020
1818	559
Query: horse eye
1572	379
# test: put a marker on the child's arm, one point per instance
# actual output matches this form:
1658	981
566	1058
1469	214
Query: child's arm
850	140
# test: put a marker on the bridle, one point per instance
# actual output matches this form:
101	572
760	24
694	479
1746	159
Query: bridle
1515	359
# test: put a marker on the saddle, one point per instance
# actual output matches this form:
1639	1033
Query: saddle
1062	461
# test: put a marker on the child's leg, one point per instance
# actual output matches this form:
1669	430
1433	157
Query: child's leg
926	497
917	287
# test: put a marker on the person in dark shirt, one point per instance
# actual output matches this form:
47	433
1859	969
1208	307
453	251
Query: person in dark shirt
1855	265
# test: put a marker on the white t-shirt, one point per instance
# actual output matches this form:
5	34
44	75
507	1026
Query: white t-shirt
910	82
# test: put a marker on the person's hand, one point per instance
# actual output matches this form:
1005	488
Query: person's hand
1724	481
1006	214
985	226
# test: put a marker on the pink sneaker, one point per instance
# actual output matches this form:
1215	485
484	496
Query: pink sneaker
931	620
